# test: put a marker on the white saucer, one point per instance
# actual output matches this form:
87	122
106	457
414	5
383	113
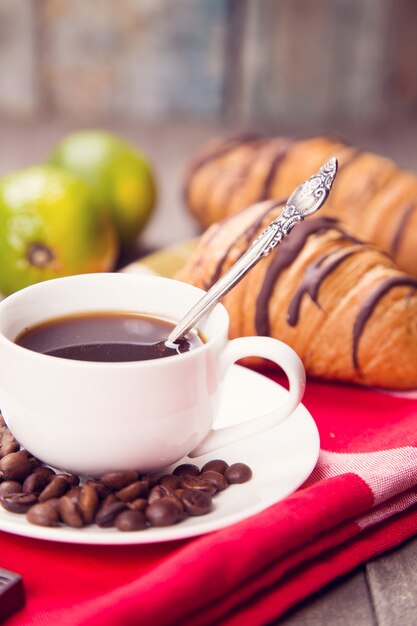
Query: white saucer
281	459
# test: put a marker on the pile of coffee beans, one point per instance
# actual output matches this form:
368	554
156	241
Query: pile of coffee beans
126	500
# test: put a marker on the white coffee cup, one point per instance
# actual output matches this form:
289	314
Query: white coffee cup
89	417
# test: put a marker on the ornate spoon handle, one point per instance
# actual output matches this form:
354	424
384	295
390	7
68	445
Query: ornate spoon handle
304	200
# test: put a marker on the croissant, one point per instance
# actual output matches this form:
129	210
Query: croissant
342	304
376	199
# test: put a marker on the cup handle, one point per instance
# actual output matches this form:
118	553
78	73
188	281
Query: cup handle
275	351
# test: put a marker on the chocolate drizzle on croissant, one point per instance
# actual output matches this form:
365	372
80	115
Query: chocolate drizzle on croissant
249	235
224	148
314	275
280	154
369	306
287	252
402	224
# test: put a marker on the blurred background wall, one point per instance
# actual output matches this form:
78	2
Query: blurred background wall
169	73
268	62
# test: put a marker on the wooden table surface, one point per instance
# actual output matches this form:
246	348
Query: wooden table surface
384	591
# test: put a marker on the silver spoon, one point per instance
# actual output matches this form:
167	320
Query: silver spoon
304	200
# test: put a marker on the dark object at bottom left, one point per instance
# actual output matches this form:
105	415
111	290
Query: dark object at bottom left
12	595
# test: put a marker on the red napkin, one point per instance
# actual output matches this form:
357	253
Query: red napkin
359	501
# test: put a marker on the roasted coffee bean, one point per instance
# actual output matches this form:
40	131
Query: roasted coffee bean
55	488
139	504
106	514
163	512
216	465
48	472
8	443
152	479
101	489
36	482
118	480
88	503
128	521
43	514
36	464
169	480
186	469
155	494
18	502
177	503
74	493
53	502
215	478
73	479
127	501
196	502
10	486
16	466
198	485
238	473
134	490
70	513
167	490
109	499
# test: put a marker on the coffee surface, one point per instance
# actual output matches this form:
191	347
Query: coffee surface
105	337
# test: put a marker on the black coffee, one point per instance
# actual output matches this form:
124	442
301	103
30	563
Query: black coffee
108	336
